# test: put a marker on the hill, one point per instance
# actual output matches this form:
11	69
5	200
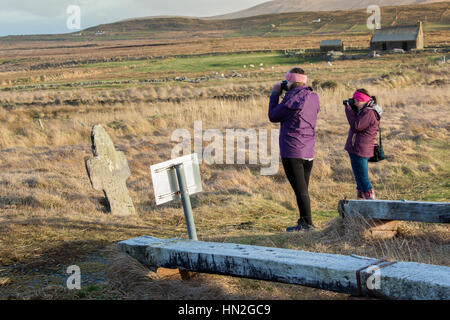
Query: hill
349	22
436	16
284	6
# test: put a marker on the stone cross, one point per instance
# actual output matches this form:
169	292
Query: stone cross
108	171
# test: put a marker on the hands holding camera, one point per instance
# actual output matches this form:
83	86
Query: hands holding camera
277	87
281	86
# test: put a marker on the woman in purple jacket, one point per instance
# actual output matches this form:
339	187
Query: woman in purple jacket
363	115
297	114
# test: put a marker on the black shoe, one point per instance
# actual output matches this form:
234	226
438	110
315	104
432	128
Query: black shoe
301	226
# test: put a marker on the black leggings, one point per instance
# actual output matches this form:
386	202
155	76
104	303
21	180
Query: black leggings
298	172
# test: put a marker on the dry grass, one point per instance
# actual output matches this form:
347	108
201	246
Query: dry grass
50	217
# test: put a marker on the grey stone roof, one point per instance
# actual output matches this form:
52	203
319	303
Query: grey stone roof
331	43
400	33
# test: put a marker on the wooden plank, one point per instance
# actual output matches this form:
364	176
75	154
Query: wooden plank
401	280
434	212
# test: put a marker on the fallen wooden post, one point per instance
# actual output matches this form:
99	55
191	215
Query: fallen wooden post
433	212
381	229
354	275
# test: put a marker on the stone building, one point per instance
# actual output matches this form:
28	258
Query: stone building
399	37
332	45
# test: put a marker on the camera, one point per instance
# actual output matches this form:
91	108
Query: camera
284	86
350	102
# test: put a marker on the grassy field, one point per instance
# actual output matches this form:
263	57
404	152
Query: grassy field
219	63
50	217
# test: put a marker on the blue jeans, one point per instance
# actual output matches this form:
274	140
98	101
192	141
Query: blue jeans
360	168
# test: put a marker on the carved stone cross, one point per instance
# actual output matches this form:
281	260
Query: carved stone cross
109	171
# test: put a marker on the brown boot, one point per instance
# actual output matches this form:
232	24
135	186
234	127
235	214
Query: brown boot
360	195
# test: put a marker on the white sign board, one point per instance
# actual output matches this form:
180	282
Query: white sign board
165	182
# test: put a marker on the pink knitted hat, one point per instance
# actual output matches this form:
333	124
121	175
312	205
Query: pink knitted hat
361	96
296	77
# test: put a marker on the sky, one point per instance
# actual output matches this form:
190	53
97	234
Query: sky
50	16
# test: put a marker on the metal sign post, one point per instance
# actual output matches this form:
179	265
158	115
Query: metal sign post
178	178
186	200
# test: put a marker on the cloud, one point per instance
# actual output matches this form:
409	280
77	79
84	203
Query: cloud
49	16
43	8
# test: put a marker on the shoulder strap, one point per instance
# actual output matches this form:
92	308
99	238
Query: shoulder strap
379	131
380	136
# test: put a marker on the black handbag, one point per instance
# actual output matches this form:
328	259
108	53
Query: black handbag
378	152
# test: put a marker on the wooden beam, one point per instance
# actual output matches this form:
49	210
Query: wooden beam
434	212
345	274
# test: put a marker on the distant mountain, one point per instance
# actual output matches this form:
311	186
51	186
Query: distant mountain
284	6
436	17
276	24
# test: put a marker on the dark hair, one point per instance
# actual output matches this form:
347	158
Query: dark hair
368	94
299	71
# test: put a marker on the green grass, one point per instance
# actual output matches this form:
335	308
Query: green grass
358	28
439	188
439	192
420	185
287	32
12	60
219	63
436	26
334	28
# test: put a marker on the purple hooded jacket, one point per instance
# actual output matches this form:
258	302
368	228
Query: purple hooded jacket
364	127
297	114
